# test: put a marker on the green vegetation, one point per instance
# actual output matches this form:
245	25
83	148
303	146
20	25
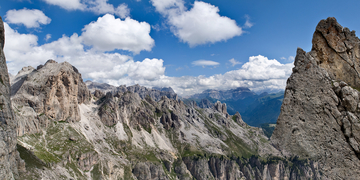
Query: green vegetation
191	151
127	173
31	161
74	170
127	130
234	118
95	172
268	129
238	147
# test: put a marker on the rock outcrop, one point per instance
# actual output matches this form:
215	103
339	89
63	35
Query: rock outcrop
155	93
52	91
10	162
320	114
141	133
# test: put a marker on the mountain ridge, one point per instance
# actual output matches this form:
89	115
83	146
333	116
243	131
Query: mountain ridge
65	132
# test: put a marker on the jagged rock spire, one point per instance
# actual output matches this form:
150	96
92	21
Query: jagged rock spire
319	116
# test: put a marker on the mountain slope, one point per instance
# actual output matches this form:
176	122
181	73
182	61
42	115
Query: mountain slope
320	116
126	134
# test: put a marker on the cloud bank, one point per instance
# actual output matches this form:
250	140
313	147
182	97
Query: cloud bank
258	74
202	24
23	49
92	51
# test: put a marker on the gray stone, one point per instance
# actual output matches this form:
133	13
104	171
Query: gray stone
319	116
52	92
10	162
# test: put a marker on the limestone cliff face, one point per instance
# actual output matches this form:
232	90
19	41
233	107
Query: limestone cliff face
320	114
155	93
9	157
52	91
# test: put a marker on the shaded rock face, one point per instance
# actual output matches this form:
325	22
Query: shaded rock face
9	158
155	93
320	114
205	103
222	168
51	91
149	171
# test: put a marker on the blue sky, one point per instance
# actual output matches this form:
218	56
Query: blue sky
188	45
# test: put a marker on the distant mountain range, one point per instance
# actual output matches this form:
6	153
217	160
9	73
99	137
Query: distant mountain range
54	126
255	109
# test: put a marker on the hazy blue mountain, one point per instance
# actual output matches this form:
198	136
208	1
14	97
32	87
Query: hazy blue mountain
255	109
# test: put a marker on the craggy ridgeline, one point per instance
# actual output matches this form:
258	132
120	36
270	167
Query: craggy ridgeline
65	132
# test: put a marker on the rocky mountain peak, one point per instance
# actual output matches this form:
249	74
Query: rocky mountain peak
320	114
166	89
52	91
336	49
155	93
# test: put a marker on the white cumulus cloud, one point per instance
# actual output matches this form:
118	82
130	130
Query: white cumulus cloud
31	18
147	70
201	24
204	63
258	74
108	33
95	6
167	7
23	50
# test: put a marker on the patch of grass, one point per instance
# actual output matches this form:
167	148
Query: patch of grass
95	172
45	155
75	170
268	129
191	151
263	140
31	161
150	156
200	111
127	173
58	140
148	129
237	146
127	130
158	112
234	118
213	129
217	116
